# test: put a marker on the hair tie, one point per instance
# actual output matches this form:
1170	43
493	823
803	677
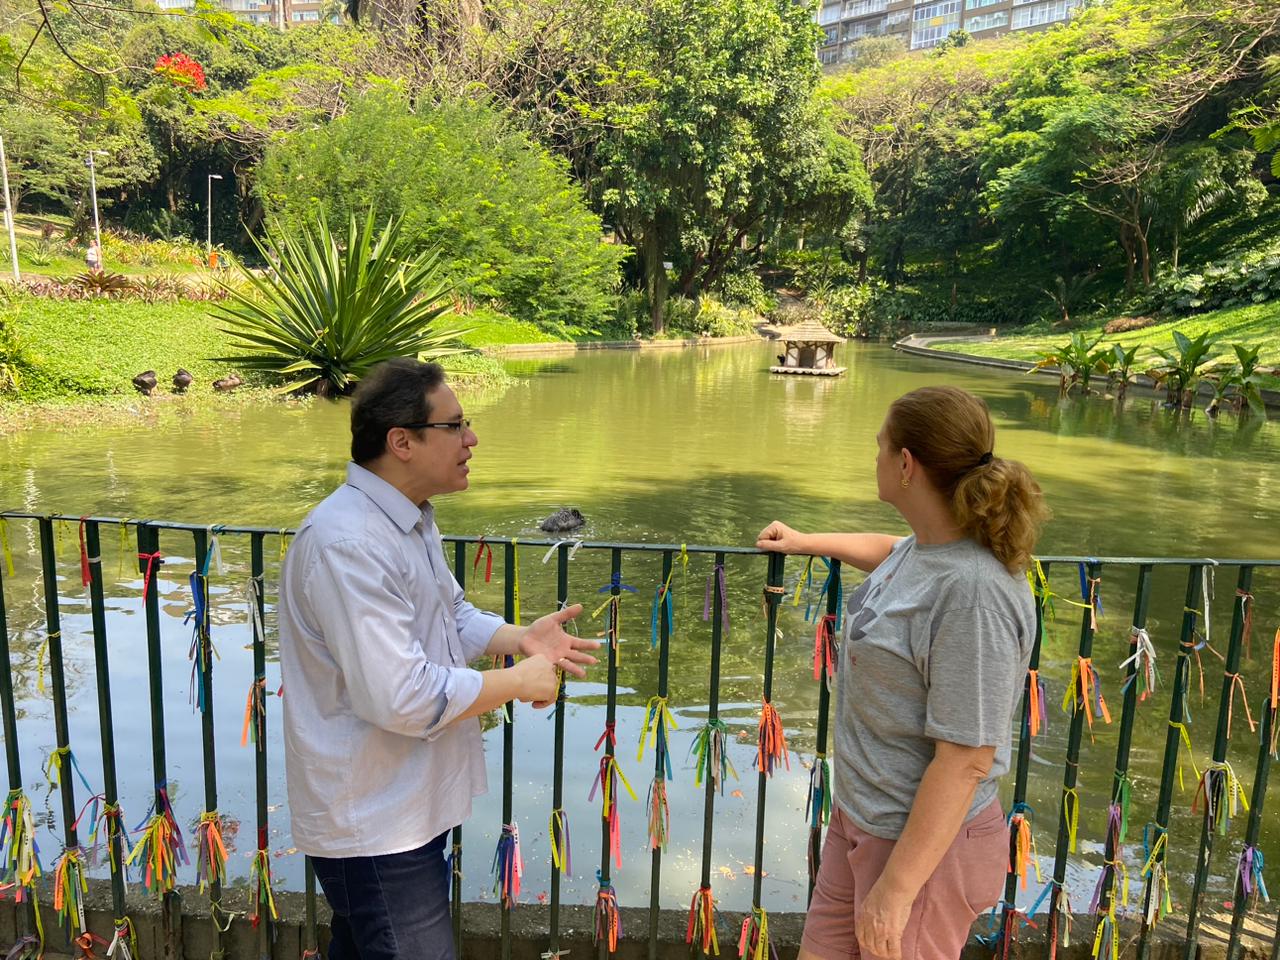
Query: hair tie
985	459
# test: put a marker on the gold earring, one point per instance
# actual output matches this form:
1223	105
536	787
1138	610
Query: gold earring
905	483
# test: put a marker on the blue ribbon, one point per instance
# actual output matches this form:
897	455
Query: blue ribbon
615	583
661	599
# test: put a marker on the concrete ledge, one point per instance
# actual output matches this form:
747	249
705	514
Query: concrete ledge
559	347
192	932
918	346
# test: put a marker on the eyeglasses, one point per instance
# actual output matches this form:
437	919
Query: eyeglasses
456	426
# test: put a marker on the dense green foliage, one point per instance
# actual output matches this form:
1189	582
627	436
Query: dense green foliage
333	306
509	224
1105	160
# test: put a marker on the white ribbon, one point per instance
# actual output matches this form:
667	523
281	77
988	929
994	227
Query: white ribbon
1144	656
255	614
560	543
215	554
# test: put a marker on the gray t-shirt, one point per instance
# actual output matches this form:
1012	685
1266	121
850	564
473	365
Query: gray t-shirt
936	645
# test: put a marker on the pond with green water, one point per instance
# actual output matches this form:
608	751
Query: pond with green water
696	446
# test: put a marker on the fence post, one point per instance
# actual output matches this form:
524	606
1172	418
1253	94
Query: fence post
1082	677
62	769
110	795
558	828
1155	842
17	800
1244	870
1219	782
656	715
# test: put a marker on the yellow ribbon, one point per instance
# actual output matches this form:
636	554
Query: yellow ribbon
805	577
1072	813
515	586
609	799
1186	738
656	715
41	654
124	544
284	543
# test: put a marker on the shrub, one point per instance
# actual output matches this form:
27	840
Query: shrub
512	228
1254	278
744	288
12	356
326	313
707	317
95	284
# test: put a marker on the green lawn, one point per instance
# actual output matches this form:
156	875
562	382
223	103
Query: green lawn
79	352
1253	325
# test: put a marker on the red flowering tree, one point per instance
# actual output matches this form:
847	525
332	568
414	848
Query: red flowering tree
181	70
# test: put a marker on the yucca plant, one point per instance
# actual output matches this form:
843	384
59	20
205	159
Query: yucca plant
328	312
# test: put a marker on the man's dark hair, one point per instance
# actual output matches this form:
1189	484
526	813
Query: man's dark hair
390	395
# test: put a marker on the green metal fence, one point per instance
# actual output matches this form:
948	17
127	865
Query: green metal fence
154	849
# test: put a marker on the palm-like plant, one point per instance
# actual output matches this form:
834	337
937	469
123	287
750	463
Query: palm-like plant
1076	361
1180	369
1121	368
1248	392
327	313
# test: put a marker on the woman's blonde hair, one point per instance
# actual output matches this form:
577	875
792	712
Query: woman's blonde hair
995	501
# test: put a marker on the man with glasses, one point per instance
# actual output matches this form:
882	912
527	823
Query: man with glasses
383	751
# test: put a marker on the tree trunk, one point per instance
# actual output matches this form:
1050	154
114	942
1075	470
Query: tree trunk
1126	243
1144	255
655	277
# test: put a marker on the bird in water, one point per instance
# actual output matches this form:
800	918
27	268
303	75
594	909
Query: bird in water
181	380
145	382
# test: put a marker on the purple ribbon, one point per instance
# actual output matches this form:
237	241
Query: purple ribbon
717	576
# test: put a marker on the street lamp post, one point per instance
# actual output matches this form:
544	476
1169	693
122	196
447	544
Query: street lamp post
208	234
93	193
8	216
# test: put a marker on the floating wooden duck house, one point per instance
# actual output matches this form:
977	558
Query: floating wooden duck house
810	351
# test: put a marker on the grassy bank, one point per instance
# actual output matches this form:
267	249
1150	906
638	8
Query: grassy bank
1253	325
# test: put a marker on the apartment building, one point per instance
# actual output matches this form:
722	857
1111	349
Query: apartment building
281	14
921	24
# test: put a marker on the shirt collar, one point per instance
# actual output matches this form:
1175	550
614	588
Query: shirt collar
404	513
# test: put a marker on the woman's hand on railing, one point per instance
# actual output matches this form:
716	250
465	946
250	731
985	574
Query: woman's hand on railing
777	537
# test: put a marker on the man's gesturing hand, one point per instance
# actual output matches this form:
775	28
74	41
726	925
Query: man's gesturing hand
548	637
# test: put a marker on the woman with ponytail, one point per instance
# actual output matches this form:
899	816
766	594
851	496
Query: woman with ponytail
931	667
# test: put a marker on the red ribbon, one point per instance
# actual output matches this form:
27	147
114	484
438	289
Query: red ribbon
486	551
84	556
824	647
152	559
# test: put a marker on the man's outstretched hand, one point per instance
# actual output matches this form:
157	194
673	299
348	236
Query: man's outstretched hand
547	636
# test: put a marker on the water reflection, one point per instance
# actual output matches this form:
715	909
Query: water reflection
696	446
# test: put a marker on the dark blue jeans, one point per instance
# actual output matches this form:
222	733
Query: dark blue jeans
393	907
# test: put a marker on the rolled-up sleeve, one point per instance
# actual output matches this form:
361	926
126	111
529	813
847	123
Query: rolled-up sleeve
360	604
475	627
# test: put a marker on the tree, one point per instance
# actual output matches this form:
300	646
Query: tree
43	154
510	225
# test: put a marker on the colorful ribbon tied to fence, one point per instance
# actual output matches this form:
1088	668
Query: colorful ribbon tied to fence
615	588
255	714
702	923
825	653
264	899
1143	662
663	610
160	849
716	584
211	851
608	919
711	761
486	551
558	831
606	782
124	941
1084	692
508	865
754	939
1222	794
1157	899
1025	855
70	887
1037	714
658	721
659	815
18	840
1250	870
772	742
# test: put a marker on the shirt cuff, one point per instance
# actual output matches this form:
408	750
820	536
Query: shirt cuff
477	631
464	686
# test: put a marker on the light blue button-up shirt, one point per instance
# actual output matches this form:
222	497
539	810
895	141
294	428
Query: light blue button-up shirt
375	637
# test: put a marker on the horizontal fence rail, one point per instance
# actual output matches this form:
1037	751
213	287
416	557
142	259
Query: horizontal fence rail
734	602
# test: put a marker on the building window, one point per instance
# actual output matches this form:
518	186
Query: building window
979	4
936	11
828	57
829	34
901	16
829	14
1043	13
861	8
987	21
864	28
928	35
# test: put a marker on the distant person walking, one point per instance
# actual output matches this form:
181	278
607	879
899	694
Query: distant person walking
93	257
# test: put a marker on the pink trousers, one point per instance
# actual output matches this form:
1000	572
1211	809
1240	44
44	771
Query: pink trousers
968	880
